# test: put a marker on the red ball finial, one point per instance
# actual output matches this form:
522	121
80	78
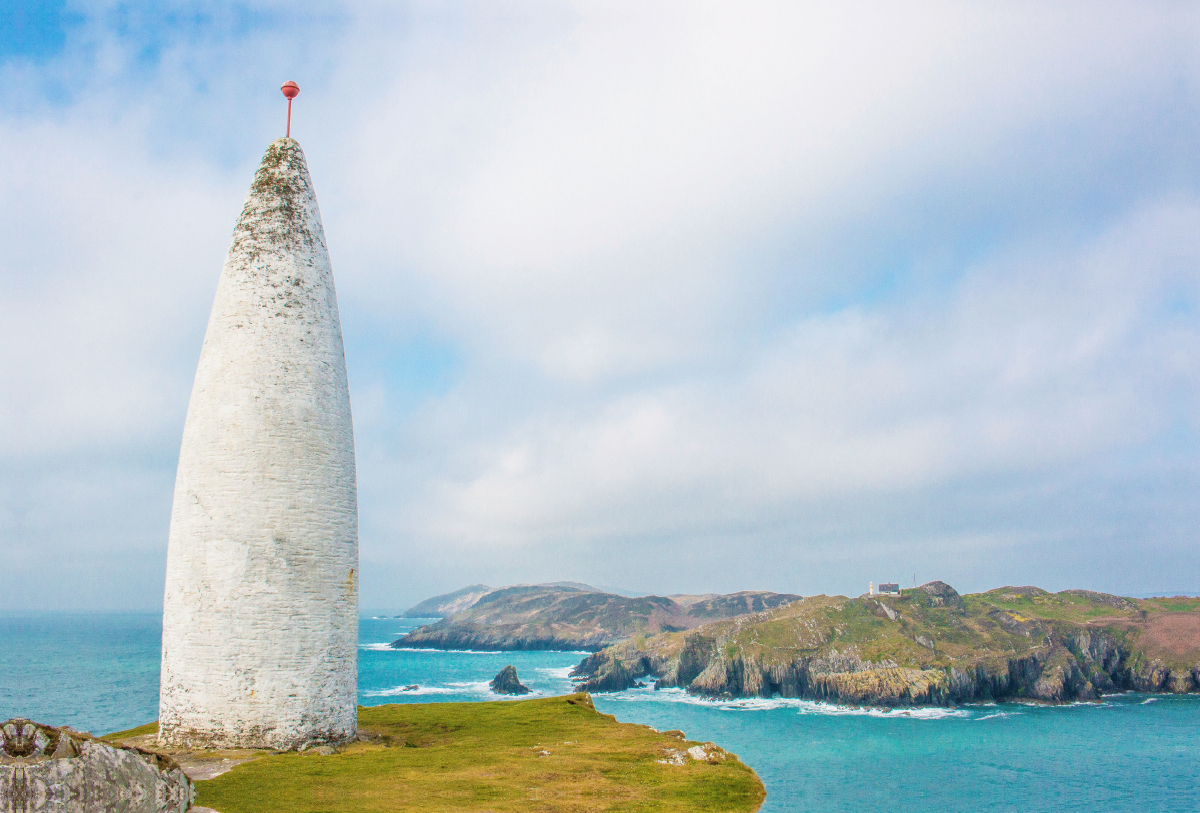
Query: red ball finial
291	90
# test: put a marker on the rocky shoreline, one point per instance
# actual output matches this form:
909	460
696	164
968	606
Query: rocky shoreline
1062	673
1062	660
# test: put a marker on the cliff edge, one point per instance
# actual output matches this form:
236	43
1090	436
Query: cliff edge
928	646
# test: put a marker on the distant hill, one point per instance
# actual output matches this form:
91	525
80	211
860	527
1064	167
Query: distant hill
587	588
712	607
448	603
574	617
927	646
466	598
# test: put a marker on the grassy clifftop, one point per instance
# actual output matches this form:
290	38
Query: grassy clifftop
547	754
928	645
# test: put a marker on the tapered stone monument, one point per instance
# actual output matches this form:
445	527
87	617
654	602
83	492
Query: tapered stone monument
260	620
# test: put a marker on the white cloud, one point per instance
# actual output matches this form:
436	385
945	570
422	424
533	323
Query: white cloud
706	271
1030	362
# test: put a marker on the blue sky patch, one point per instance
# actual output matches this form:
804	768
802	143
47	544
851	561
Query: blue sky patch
35	30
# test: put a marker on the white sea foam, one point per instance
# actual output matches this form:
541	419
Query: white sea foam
1149	700
769	703
557	673
997	715
920	713
473	685
483	690
376	647
397	690
478	688
447	651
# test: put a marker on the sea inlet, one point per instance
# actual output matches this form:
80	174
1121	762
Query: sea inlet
99	673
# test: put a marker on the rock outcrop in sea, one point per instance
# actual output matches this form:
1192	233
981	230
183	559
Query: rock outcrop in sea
930	646
506	682
56	770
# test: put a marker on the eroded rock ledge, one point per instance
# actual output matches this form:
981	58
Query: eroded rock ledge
56	770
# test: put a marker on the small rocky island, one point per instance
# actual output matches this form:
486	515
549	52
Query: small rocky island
926	646
506	682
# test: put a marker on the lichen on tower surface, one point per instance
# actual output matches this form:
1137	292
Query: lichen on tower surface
273	217
261	602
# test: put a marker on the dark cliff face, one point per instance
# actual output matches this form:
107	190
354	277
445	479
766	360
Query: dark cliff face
933	647
1058	675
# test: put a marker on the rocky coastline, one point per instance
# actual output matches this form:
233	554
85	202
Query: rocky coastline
929	648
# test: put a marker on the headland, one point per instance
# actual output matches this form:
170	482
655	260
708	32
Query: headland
555	753
926	646
557	616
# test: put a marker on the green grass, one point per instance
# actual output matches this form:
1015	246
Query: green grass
142	730
1175	604
1074	609
486	757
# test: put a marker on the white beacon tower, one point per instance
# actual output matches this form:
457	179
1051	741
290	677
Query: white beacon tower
260	618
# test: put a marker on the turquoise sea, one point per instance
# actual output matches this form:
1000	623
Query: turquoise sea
100	673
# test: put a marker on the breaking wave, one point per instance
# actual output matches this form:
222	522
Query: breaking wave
801	706
399	690
557	673
445	651
472	685
997	714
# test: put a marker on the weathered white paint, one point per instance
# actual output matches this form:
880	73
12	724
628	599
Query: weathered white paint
260	618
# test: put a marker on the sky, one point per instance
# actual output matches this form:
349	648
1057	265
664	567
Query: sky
666	297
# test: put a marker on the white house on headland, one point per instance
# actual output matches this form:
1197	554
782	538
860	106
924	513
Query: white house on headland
885	589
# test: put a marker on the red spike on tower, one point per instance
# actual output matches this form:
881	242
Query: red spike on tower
291	90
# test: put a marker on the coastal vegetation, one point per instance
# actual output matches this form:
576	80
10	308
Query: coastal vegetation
546	754
927	646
